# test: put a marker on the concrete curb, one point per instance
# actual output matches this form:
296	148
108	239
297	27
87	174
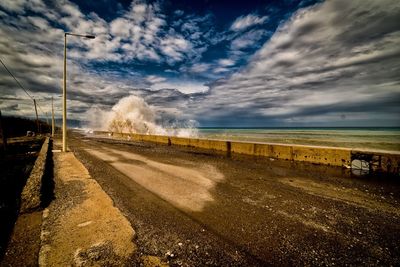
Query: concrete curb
31	194
378	161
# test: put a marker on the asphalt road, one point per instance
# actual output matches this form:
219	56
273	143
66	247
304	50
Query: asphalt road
195	208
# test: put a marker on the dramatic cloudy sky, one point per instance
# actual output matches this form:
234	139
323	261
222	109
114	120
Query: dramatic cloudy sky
221	63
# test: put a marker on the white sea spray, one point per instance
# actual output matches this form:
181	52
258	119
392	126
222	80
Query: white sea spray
132	114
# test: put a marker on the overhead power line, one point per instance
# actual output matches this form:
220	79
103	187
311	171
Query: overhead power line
12	75
22	87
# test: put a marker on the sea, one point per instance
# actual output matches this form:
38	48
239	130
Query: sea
380	138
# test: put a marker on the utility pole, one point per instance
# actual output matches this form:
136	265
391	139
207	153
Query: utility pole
3	133
64	125
37	118
52	118
47	120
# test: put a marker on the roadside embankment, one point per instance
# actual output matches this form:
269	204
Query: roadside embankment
378	161
24	243
81	226
31	197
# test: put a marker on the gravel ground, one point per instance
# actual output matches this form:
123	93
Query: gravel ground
261	212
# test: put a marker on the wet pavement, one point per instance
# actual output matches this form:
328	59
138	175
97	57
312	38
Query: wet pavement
191	207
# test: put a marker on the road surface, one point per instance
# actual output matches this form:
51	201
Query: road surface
195	208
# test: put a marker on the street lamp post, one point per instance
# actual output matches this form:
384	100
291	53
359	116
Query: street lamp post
64	126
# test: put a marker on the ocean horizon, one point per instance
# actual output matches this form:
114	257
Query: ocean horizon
373	138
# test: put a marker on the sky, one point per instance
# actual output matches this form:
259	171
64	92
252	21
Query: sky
219	63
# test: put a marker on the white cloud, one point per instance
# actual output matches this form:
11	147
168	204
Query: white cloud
244	22
141	32
190	26
338	57
155	79
220	70
199	67
13	5
226	62
39	22
175	47
179	12
120	27
248	39
185	87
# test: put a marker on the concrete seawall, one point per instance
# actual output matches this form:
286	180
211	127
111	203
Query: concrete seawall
31	194
377	161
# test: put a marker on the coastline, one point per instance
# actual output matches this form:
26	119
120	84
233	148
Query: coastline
375	161
382	139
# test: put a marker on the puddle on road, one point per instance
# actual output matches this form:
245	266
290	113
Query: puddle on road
184	187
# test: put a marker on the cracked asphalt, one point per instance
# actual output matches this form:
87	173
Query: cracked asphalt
190	207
